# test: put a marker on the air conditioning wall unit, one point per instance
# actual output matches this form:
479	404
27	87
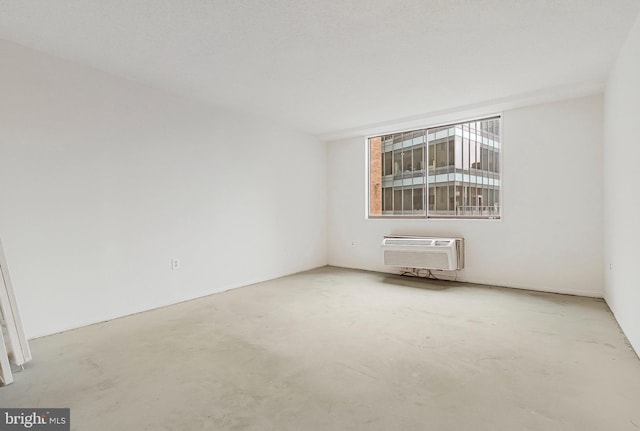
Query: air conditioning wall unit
425	252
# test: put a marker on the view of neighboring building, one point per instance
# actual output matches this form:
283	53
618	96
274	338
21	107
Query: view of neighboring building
448	171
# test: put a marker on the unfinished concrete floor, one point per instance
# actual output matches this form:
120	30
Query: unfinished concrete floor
336	349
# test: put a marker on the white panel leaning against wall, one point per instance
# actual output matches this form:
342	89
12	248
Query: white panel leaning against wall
14	348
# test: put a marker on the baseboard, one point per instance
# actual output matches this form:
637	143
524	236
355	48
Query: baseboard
164	304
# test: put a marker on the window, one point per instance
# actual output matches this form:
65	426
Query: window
450	171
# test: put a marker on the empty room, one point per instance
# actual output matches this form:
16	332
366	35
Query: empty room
319	215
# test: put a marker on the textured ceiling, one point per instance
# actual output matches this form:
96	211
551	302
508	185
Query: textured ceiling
324	66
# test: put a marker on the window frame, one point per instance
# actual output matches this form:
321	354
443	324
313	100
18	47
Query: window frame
425	188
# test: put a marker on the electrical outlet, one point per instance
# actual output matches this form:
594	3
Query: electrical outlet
175	264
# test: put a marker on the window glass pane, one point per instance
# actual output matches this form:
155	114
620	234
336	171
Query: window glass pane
407	162
432	157
407	201
432	198
418	159
452	199
467	161
388	200
484	157
388	163
458	202
418	199
441	199
397	201
452	150
441	154
448	171
397	162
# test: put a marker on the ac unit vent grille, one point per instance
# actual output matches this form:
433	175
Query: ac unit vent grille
411	242
416	260
424	252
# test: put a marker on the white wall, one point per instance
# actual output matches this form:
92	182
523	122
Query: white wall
621	178
551	235
103	181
